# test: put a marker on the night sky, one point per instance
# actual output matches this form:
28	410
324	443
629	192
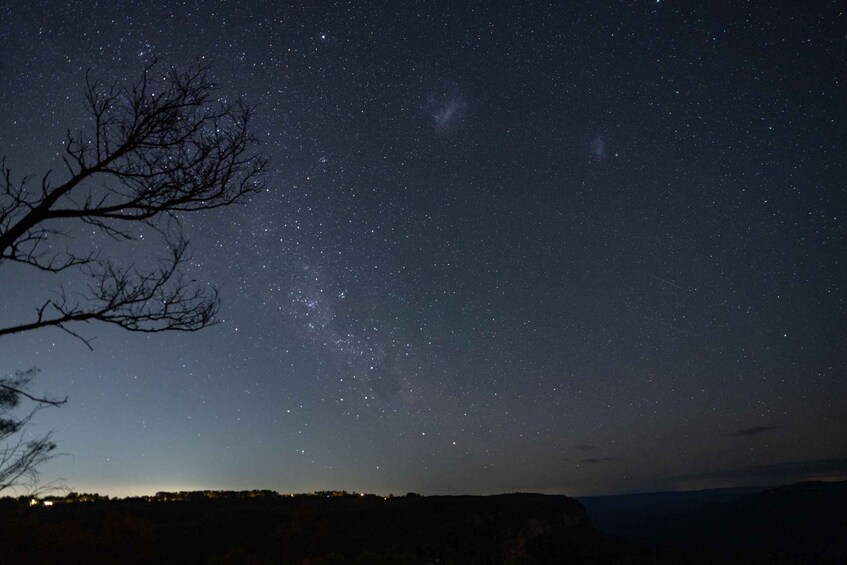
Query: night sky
565	248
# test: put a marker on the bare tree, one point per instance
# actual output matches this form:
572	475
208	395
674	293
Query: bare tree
153	149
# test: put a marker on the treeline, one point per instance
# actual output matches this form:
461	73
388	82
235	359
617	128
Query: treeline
190	495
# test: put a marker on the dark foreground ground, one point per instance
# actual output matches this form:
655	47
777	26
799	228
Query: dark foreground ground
800	524
515	528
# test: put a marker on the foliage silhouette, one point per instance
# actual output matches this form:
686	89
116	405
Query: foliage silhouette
19	458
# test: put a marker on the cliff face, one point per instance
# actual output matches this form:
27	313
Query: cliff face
487	529
464	529
521	519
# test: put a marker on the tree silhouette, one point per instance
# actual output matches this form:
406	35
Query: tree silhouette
19	459
153	149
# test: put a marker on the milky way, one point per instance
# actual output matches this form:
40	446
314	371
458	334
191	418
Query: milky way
572	248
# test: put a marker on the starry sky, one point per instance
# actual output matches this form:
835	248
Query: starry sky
560	247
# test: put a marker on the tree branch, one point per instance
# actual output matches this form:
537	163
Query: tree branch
154	149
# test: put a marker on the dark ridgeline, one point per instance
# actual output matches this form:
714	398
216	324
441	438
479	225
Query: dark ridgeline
330	528
803	523
797	524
